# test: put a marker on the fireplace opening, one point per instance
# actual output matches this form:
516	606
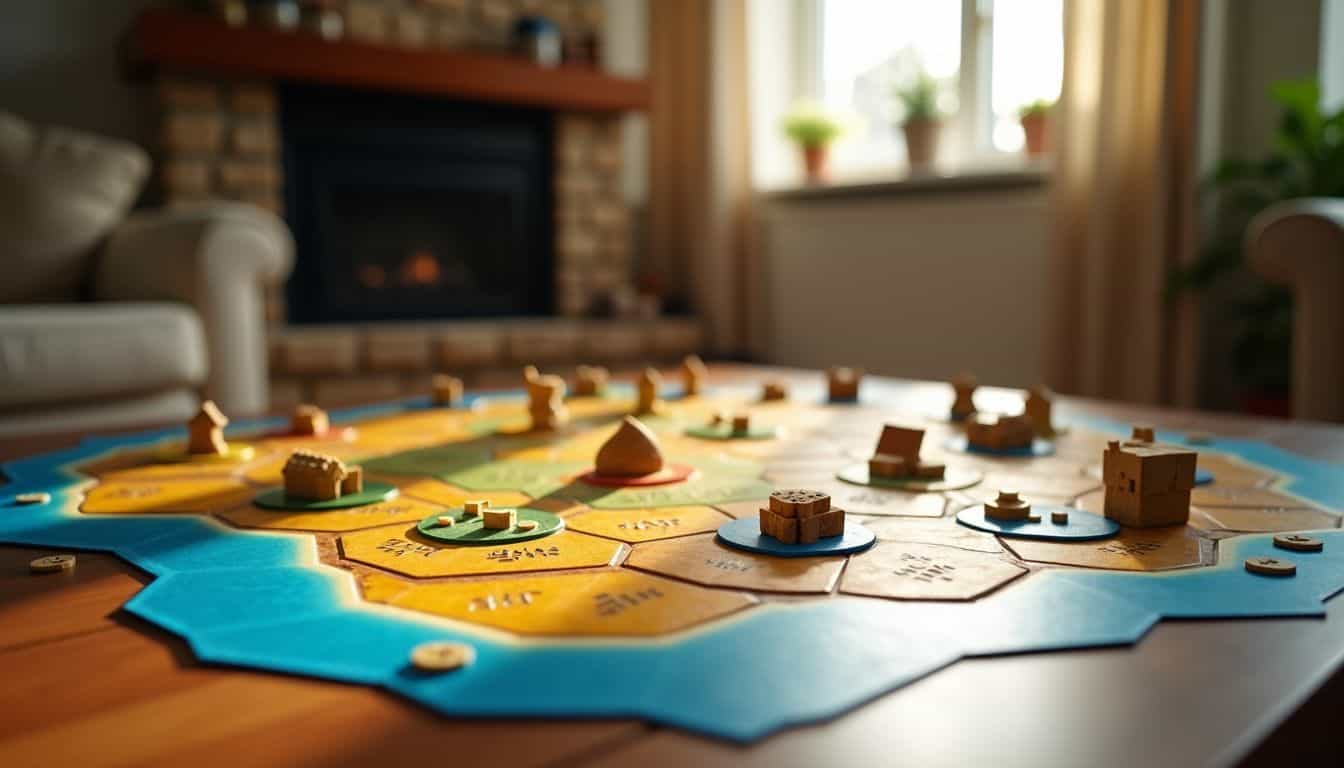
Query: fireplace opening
408	208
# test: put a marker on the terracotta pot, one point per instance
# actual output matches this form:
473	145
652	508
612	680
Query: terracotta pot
816	158
1037	128
921	142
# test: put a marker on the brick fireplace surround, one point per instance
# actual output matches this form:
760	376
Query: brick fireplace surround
220	138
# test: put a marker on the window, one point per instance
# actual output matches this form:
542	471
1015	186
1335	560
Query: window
988	57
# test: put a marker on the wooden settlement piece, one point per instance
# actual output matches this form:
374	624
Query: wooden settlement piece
308	420
693	375
591	381
205	431
1037	408
311	475
801	516
897	455
1147	484
649	393
998	433
446	391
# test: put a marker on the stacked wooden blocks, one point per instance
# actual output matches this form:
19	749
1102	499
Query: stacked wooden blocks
800	516
897	456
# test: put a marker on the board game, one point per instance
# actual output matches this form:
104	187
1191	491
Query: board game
483	524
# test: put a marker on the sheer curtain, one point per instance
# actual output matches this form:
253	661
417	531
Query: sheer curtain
1123	200
700	177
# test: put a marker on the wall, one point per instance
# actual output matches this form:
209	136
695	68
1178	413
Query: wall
921	284
58	64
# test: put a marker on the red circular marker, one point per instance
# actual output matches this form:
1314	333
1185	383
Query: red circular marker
672	473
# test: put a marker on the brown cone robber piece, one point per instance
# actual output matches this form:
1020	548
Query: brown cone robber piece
631	452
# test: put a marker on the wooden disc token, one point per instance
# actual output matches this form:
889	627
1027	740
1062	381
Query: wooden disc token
441	656
1270	566
52	564
526	525
1298	542
33	498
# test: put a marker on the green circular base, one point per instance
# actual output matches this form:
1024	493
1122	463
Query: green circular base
725	432
953	478
469	531
234	453
276	498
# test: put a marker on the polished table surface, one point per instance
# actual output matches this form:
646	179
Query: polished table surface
87	684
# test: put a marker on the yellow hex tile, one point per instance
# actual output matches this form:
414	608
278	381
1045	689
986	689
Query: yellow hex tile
148	468
635	525
402	549
703	560
402	509
907	571
187	495
1133	549
450	495
596	603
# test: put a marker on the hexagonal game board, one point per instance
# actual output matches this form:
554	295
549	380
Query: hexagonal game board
627	584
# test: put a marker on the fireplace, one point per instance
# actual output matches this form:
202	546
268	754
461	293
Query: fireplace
405	207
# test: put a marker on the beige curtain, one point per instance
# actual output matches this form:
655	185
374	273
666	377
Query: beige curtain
1123	200
699	172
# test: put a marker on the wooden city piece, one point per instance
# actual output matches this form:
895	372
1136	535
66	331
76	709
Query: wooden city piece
999	433
1008	506
308	420
319	477
1039	403
446	391
650	384
591	380
205	431
772	391
1147	485
632	452
546	402
964	404
842	384
499	519
693	375
897	455
801	516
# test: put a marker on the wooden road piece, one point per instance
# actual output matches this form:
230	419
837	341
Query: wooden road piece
205	431
632	451
1271	566
1298	542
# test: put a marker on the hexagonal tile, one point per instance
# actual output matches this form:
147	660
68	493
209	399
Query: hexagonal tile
402	549
147	467
710	486
1219	495
534	478
1067	487
431	462
908	571
450	495
185	495
636	525
943	531
703	560
597	603
1095	502
1230	471
1269	519
402	509
1133	549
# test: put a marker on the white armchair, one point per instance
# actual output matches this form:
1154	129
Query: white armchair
1300	244
109	319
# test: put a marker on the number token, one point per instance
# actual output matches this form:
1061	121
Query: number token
52	564
1270	566
527	525
441	656
1298	543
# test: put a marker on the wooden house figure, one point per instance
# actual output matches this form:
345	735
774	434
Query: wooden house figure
205	431
309	420
999	433
693	375
1040	401
1147	485
897	455
315	476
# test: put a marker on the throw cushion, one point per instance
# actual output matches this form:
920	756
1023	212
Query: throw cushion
61	193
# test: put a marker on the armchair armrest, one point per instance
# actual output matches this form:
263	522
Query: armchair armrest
218	257
1300	244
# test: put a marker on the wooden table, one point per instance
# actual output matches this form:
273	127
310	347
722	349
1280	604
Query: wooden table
85	683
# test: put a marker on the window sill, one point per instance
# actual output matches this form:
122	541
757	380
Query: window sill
1027	174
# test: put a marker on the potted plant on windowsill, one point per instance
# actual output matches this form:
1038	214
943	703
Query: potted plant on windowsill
813	131
921	122
1035	119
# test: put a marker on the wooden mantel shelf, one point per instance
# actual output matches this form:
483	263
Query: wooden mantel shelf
186	42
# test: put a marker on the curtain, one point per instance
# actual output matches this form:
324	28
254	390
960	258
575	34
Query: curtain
699	173
1123	200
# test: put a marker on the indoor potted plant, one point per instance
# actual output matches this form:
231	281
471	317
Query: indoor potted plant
1307	161
920	121
812	130
1035	119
